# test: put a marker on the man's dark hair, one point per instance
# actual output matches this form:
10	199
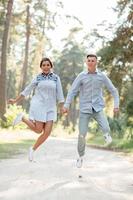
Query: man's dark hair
91	55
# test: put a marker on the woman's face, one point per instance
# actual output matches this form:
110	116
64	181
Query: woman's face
46	67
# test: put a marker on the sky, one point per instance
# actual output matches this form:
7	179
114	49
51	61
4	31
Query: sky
90	12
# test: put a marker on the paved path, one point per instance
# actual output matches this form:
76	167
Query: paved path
105	175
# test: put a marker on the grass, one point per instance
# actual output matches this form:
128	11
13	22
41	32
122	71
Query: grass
17	141
117	144
8	150
126	145
14	142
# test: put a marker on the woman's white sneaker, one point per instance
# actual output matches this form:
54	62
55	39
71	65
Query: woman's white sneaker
30	156
18	119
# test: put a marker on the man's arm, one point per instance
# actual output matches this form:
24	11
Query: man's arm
108	83
73	91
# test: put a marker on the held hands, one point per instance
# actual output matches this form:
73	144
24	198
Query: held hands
64	110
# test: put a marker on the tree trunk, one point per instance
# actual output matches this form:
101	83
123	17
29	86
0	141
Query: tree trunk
25	64
4	59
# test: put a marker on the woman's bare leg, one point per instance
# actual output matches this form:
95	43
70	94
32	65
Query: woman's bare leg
36	126
47	130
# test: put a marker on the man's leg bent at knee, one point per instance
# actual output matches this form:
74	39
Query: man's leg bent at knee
101	118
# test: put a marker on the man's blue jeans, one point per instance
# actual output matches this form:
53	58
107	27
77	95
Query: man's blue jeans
84	119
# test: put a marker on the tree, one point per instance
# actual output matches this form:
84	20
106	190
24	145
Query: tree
68	65
117	61
4	59
26	54
116	54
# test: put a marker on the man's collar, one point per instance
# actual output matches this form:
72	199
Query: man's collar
87	72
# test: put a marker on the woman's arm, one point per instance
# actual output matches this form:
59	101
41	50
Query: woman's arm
16	100
24	93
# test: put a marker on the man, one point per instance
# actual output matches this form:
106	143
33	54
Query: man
89	84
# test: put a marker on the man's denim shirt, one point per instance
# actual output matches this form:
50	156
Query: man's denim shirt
90	88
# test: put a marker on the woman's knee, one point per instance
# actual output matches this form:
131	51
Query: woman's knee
39	130
45	135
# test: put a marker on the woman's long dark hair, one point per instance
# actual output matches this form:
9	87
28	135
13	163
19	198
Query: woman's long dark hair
46	59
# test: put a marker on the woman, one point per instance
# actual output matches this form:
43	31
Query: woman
43	110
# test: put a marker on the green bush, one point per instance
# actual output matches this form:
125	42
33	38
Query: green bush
129	109
118	125
10	115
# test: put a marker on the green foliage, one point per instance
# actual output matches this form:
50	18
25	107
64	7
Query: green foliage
129	109
125	145
69	64
129	134
117	125
116	54
3	5
122	127
116	59
10	115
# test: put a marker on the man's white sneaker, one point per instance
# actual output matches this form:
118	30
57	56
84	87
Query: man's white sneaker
108	139
31	152
18	119
79	162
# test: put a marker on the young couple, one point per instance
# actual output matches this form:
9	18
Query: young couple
48	90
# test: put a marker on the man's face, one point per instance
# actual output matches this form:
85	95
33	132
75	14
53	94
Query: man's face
91	63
